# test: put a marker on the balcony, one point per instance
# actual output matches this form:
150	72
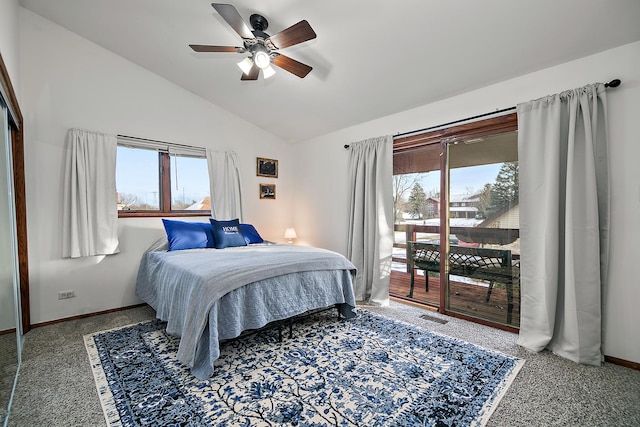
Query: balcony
468	295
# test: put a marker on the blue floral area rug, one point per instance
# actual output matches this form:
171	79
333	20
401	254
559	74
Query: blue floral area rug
369	371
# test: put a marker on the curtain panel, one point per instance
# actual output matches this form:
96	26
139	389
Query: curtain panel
370	235
564	222
224	180
90	212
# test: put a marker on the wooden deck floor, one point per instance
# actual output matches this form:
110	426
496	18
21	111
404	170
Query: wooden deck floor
466	298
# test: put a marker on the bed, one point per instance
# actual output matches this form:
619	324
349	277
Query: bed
207	295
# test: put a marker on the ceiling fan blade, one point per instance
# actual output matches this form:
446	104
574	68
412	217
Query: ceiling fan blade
233	18
252	75
297	33
207	48
292	66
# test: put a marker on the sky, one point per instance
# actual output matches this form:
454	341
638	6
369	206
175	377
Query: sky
463	180
137	173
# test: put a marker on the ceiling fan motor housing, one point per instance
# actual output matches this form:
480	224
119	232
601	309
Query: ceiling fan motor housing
259	24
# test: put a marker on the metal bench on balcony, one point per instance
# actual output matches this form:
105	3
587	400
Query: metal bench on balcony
491	265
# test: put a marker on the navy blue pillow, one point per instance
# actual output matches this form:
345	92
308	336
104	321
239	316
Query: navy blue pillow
250	234
227	233
188	235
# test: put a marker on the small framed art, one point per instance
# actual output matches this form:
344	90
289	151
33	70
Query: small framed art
267	167
267	191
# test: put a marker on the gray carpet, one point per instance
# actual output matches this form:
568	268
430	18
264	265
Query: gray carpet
8	367
56	386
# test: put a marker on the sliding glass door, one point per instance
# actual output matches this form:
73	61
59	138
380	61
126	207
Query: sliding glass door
416	185
457	220
483	225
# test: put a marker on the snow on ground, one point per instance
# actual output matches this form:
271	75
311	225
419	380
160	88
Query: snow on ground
400	237
453	222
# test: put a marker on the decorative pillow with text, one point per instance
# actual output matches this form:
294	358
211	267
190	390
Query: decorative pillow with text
227	233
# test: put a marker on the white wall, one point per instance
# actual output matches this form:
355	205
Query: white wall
321	206
9	40
68	82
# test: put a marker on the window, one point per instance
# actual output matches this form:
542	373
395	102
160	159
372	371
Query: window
189	183
161	179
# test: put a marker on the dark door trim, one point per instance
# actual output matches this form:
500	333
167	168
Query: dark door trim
17	148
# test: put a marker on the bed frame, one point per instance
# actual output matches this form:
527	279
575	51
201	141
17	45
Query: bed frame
280	324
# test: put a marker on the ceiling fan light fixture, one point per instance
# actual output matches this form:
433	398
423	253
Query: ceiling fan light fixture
268	71
262	59
245	65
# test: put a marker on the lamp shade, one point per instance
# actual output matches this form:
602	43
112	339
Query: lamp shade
245	65
268	71
290	234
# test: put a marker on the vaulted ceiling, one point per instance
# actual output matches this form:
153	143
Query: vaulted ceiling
370	58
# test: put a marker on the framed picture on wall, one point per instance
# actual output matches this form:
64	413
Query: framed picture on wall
267	167
267	191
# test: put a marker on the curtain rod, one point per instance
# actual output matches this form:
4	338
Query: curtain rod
137	138
448	124
455	122
168	144
612	83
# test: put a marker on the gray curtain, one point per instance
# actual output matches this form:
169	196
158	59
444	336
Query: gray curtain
564	222
90	212
370	235
224	182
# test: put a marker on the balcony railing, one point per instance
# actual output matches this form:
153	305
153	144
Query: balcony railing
469	294
479	235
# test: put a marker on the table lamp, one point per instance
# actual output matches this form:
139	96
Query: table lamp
290	234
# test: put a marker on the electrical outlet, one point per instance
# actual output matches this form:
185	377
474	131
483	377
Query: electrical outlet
66	294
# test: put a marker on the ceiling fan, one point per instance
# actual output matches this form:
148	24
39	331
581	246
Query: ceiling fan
262	48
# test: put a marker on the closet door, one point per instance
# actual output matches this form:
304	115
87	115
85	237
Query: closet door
9	307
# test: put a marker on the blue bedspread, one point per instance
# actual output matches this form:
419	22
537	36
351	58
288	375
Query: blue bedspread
207	295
